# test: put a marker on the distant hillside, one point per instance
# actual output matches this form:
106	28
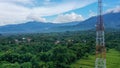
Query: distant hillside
111	20
33	26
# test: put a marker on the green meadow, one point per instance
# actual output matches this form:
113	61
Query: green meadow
112	60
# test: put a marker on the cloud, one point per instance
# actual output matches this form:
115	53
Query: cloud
47	2
17	1
68	18
116	9
16	11
91	13
12	14
36	18
113	10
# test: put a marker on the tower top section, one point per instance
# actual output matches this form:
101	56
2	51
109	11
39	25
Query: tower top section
100	24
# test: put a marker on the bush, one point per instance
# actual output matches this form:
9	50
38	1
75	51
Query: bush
9	65
26	65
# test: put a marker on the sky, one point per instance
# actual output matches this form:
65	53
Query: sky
55	11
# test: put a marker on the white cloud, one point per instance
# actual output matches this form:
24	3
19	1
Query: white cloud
91	13
36	18
82	3
53	10
13	13
18	1
68	18
113	10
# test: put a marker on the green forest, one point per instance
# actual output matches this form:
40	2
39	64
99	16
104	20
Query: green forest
53	50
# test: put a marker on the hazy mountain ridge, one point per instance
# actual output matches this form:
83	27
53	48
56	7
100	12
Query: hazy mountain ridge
111	20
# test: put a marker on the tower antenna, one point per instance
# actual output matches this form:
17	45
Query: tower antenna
100	41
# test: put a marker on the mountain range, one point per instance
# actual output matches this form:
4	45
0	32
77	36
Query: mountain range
111	20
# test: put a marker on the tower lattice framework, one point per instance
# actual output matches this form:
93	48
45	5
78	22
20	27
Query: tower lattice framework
100	41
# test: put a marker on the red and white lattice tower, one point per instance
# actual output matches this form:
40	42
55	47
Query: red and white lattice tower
100	41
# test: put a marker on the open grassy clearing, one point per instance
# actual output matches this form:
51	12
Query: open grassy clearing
113	60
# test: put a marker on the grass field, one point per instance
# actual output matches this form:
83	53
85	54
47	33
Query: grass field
112	60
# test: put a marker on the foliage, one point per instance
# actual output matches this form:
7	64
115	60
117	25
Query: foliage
50	50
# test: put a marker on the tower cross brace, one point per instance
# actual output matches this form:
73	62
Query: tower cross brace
100	41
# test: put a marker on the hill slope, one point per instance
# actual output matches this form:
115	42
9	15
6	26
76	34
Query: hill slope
111	20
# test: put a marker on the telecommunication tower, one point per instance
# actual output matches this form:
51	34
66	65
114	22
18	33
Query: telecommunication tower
100	41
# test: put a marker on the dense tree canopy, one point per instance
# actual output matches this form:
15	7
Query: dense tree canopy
50	50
